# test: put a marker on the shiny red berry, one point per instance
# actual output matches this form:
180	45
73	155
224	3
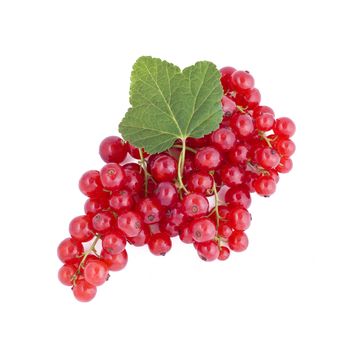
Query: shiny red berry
80	228
115	262
202	229
114	243
284	127
113	149
90	184
150	210
208	251
164	168
195	205
239	218
130	223
242	81
84	291
112	176
159	243
265	185
208	158
238	241
223	139
69	251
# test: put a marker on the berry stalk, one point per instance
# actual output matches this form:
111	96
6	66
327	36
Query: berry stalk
91	249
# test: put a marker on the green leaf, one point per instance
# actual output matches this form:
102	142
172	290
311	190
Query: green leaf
168	104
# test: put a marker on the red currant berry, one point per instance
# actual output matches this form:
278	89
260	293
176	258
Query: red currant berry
166	194
202	230
84	291
225	122
66	273
228	106
208	251
113	149
250	99
130	223
96	272
186	235
188	164
284	127
90	257
121	201
200	183
239	218
70	250
226	78
197	143
133	178
115	262
195	205
150	210
261	110
231	175
103	222
176	215
90	184
285	147
223	139
249	178
239	155
242	125
80	228
159	243
114	243
238	241
224	230
265	185
170	228
142	238
135	152
242	81
224	254
267	157
208	158
285	165
224	212
164	168
112	176
95	205
274	174
265	122
238	196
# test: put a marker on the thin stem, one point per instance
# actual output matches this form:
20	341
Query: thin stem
187	148
241	109
92	249
144	167
180	166
216	208
265	138
258	169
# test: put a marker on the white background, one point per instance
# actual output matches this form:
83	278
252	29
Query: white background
64	79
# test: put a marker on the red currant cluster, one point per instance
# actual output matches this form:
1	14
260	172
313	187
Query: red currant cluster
198	190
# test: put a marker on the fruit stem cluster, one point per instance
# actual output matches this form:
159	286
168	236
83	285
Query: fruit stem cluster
143	164
91	249
180	168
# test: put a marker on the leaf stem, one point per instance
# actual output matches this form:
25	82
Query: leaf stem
180	166
187	148
144	167
92	249
216	208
